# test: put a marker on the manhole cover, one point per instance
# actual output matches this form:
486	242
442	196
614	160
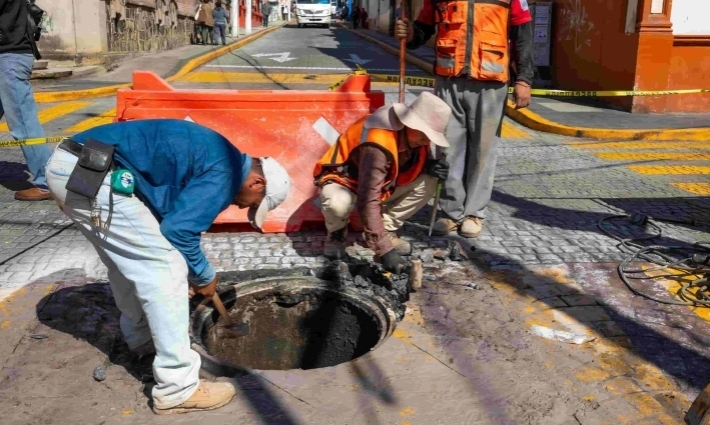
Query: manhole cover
295	323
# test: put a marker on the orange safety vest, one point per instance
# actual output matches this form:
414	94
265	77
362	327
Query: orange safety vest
332	167
472	37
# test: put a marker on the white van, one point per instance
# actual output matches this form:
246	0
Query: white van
313	12
333	7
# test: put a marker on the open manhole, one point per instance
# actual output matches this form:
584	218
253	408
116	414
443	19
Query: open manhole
294	322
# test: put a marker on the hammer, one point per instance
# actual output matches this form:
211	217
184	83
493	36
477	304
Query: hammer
415	270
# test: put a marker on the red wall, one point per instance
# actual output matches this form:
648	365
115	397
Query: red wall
690	69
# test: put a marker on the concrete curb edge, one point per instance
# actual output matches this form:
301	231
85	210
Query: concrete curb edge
534	121
196	62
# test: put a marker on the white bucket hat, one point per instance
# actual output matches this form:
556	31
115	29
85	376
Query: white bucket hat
428	114
278	184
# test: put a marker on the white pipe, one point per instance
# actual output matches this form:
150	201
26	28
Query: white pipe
247	24
235	18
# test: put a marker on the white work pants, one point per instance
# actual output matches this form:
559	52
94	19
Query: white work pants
148	277
338	202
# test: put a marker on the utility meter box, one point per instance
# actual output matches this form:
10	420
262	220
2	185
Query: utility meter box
542	37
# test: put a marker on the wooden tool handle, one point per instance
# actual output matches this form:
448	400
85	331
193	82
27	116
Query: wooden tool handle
416	273
402	55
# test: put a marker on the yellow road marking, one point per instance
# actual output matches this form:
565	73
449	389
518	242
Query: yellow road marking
103	118
510	131
695	188
54	112
670	169
653	156
254	77
640	145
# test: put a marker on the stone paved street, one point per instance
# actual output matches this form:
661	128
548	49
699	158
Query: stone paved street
545	259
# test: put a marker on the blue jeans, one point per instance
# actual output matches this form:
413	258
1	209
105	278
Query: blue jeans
18	105
220	31
148	278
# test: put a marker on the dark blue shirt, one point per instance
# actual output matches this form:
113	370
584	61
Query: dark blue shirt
186	175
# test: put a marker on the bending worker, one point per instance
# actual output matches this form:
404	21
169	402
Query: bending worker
380	166
471	68
142	192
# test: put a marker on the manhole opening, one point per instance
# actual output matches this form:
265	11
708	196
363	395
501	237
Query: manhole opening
296	328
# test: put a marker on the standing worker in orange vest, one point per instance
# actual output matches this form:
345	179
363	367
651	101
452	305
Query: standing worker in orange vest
380	166
472	75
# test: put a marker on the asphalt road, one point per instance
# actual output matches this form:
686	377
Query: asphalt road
290	58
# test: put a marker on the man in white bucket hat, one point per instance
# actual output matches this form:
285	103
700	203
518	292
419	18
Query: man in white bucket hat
381	167
142	192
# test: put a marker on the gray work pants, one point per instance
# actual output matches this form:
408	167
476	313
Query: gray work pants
477	114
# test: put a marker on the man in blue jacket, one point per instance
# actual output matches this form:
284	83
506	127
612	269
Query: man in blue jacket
168	182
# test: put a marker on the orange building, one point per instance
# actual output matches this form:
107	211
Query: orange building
618	45
634	44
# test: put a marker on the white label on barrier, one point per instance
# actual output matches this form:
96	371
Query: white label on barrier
187	118
326	131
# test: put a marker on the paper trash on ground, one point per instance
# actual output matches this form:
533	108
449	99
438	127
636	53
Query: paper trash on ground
561	336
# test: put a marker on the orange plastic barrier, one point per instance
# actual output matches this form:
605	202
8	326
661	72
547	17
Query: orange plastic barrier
279	124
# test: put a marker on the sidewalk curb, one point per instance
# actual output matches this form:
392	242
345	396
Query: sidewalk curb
43	97
534	121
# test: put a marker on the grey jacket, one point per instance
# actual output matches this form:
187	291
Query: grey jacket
221	16
266	8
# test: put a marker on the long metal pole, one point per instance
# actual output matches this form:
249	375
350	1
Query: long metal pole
402	56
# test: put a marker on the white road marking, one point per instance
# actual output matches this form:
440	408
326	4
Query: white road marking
356	59
315	68
282	57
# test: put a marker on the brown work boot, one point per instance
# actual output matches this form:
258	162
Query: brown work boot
471	227
33	194
401	246
334	248
209	396
443	226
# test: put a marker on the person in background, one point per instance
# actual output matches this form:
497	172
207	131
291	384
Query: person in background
17	104
266	11
221	18
381	167
356	17
363	18
472	75
345	13
206	21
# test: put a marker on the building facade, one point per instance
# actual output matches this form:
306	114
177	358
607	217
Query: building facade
654	45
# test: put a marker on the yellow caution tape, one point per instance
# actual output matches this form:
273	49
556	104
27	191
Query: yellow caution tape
429	82
30	142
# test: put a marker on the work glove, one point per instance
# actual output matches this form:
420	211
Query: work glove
393	262
438	168
206	291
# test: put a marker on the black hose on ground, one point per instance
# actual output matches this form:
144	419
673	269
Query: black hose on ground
689	262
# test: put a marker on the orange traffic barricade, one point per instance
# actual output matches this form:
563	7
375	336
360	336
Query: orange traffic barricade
295	127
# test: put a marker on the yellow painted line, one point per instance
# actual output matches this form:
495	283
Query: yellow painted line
255	77
103	118
510	131
670	169
55	112
640	145
653	156
695	188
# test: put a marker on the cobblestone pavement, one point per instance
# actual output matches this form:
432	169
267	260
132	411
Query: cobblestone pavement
549	196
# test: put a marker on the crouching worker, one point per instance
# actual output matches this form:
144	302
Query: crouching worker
142	192
380	166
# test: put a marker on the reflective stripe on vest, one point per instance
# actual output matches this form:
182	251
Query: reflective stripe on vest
332	167
472	38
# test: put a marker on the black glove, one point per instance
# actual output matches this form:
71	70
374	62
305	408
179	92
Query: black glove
393	262
438	168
